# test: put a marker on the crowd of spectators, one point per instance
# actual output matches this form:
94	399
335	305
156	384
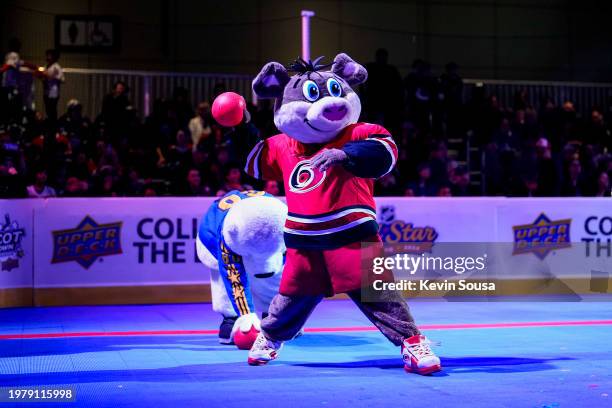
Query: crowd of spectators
528	149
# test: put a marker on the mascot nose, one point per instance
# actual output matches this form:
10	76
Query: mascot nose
334	112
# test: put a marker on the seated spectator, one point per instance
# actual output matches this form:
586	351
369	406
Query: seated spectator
75	187
423	186
233	181
460	183
40	189
149	191
603	185
193	185
271	187
438	163
444	191
387	185
574	183
548	174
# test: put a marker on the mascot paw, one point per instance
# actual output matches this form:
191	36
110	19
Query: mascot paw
245	331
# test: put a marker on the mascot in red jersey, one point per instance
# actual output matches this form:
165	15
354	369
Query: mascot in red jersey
328	162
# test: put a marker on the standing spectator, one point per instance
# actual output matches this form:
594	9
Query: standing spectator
451	89
40	189
115	111
596	132
420	86
382	93
76	126
200	126
182	106
53	76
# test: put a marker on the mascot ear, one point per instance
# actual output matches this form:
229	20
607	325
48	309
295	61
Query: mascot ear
349	70
271	81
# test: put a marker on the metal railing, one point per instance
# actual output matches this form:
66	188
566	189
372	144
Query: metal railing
584	95
90	85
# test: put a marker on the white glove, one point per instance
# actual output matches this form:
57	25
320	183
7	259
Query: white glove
244	323
328	157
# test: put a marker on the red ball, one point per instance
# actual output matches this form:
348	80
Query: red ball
245	340
228	109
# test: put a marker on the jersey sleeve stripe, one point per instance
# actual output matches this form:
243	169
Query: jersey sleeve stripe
391	148
252	164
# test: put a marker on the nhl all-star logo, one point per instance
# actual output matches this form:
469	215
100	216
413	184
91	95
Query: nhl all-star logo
11	249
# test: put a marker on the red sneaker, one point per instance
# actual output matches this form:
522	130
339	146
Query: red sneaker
418	357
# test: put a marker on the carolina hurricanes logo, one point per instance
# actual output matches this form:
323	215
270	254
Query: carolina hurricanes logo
305	178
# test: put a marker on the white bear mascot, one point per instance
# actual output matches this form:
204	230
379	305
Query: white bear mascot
240	238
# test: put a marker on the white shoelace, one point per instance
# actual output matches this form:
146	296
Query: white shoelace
420	350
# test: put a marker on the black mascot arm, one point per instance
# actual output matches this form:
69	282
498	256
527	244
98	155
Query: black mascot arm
371	158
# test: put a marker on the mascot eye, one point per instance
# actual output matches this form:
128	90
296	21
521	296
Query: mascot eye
334	87
311	91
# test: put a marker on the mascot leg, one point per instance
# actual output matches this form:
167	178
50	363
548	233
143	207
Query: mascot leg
390	314
286	316
221	302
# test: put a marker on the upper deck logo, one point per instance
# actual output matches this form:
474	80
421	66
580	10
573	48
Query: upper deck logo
87	242
412	239
11	249
541	237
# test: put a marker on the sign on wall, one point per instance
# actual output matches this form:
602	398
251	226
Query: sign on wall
82	33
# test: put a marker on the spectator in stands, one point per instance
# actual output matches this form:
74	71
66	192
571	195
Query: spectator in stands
179	155
521	100
75	187
546	168
421	90
53	76
271	187
40	189
423	185
194	185
574	183
596	132
76	126
233	181
438	163
200	126
451	89
150	192
387	185
603	185
460	183
182	106
444	191
115	108
382	94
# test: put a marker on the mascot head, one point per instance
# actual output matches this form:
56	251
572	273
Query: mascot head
314	104
253	228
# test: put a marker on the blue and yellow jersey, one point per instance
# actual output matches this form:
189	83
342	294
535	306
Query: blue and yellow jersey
231	267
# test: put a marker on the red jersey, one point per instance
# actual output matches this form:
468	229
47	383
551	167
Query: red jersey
332	208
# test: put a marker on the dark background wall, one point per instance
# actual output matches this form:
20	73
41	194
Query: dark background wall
513	39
